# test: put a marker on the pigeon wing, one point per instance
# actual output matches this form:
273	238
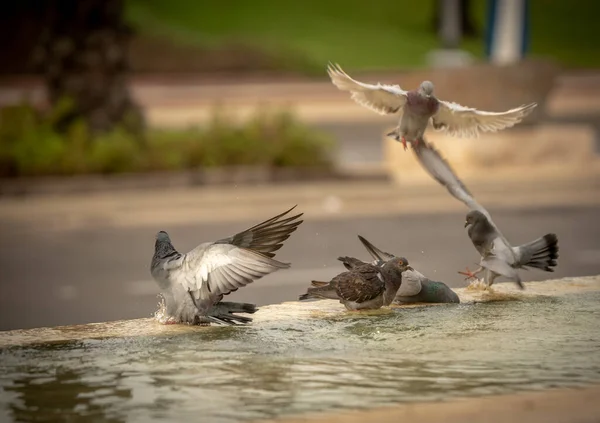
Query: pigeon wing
268	236
380	256
381	98
440	170
359	285
500	260
351	262
461	121
218	269
411	283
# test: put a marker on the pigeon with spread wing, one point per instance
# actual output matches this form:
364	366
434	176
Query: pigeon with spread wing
419	108
193	284
498	256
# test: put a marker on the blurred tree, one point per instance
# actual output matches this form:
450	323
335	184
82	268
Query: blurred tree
467	25
82	54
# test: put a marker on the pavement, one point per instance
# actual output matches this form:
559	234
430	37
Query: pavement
85	258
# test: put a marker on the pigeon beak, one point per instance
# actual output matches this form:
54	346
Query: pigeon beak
466	223
409	268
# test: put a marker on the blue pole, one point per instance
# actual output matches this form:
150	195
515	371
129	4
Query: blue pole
507	32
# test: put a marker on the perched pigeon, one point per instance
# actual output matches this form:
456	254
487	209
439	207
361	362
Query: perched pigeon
364	286
194	284
498	257
416	287
418	107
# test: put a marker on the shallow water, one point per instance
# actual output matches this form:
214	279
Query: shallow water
298	358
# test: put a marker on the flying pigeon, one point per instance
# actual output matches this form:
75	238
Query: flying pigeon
498	257
193	284
417	108
416	287
364	286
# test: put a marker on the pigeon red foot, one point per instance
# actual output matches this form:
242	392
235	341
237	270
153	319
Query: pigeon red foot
469	274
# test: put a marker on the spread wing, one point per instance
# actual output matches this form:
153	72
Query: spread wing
268	236
440	170
381	98
460	121
362	284
216	269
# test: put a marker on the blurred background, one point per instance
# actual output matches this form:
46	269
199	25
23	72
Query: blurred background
119	118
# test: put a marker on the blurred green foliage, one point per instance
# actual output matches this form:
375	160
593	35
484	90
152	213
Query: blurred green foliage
357	34
30	145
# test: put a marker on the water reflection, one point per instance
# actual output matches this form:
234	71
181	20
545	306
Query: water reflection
315	361
42	389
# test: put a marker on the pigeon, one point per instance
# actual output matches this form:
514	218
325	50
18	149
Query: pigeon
418	108
416	287
498	257
193	284
364	286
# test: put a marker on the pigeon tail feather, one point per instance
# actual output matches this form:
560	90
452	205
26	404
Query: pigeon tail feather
223	313
542	253
325	292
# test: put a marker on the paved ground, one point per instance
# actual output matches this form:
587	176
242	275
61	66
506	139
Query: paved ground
93	273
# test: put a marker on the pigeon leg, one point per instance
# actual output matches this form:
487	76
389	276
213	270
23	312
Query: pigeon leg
403	141
489	278
471	275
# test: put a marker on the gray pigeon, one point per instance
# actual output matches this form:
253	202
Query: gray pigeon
498	257
417	108
364	286
194	284
416	287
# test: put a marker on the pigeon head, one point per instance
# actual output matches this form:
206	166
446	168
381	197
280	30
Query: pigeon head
402	264
392	275
473	217
163	236
163	246
397	265
426	88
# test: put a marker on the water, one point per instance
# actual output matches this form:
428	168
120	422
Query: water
304	358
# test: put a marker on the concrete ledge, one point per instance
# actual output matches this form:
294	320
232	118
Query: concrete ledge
554	406
284	311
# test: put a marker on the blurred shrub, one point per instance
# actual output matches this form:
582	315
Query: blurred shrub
30	145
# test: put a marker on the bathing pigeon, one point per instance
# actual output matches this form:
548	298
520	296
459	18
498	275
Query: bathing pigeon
193	284
364	286
418	108
498	257
416	287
